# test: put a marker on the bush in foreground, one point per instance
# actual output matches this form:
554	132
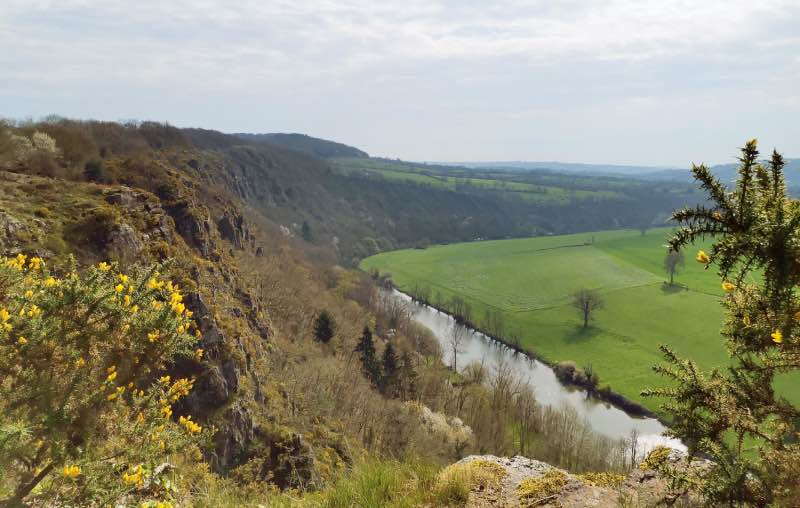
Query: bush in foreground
734	415
85	407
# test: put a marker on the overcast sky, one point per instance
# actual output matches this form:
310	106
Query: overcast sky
627	81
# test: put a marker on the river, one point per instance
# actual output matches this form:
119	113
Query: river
604	418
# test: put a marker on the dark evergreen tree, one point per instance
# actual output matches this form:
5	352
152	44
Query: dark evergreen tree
369	362
306	231
324	327
391	367
408	377
95	171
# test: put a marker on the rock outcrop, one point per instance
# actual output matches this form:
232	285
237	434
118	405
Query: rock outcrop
527	482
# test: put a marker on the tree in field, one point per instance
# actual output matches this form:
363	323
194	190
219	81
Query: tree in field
391	367
734	415
673	263
369	362
455	340
587	301
306	231
324	327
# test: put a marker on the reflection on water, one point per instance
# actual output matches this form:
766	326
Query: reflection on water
477	347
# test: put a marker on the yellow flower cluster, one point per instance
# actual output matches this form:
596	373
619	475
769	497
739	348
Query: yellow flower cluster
189	425
702	257
180	388
160	504
112	396
777	337
728	287
72	471
112	373
166	412
4	318
135	477
19	262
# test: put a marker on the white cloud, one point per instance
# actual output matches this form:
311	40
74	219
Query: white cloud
334	66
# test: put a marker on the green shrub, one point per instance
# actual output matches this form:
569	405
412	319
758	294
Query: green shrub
85	410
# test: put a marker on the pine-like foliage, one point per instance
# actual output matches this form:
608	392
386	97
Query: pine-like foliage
733	415
369	361
324	327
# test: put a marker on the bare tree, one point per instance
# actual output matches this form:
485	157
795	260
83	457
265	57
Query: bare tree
587	301
455	340
673	262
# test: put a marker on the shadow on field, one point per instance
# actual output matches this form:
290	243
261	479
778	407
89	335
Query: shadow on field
669	289
582	334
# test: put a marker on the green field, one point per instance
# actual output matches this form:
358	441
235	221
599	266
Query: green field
530	281
549	189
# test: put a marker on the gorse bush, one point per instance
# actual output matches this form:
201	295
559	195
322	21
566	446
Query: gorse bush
85	406
734	415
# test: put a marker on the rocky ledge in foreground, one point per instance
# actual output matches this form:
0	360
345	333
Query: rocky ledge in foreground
522	482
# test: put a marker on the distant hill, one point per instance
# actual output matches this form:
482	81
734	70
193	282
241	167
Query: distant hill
727	173
306	144
568	167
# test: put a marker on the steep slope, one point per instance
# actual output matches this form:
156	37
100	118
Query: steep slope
306	144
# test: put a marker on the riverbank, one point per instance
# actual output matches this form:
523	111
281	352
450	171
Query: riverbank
603	394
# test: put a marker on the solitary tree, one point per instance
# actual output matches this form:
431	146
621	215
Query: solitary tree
733	415
586	301
455	340
390	371
306	231
408	377
324	327
673	263
369	363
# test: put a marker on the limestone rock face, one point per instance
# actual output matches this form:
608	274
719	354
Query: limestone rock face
233	227
124	243
643	488
12	230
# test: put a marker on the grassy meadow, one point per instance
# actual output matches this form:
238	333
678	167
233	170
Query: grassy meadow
530	281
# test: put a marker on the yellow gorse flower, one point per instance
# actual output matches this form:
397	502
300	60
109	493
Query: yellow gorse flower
5	316
71	471
104	267
777	337
189	425
111	377
153	336
123	278
119	288
166	412
35	263
135	477
153	283
728	287
50	282
702	257
22	340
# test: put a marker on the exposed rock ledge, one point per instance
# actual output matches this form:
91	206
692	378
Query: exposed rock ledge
558	488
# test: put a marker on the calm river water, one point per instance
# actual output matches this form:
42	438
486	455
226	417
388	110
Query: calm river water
603	417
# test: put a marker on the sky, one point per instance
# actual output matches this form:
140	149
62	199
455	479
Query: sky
665	82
